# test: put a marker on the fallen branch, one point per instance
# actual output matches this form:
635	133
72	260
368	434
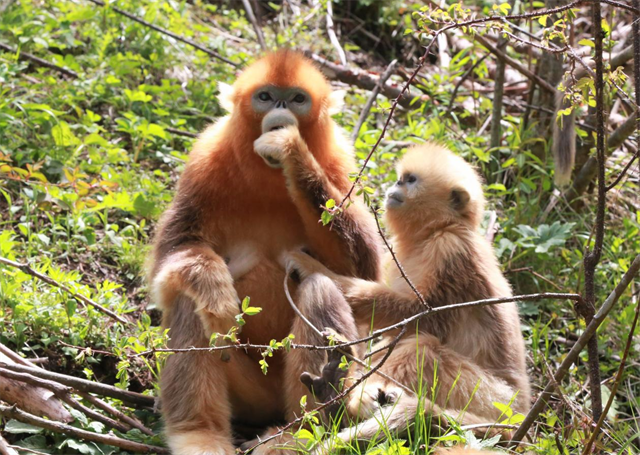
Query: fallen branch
129	420
131	398
182	39
37	400
332	34
79	297
40	62
575	351
374	94
13	412
5	449
364	80
64	393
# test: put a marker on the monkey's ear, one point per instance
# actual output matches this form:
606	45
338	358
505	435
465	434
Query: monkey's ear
226	96
459	198
336	101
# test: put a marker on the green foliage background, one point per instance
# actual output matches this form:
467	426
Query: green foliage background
87	164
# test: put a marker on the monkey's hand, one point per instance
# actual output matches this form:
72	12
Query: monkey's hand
274	146
305	265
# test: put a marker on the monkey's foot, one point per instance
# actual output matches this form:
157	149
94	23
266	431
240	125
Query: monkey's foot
199	443
327	387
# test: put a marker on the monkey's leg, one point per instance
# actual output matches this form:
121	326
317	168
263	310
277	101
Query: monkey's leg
199	273
459	382
324	306
194	393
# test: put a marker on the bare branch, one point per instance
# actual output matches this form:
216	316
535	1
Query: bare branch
374	94
13	412
40	62
254	22
131	398
164	31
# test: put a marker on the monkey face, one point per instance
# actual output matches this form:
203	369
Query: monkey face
280	106
404	189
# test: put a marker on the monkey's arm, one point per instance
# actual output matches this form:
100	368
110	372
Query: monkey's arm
350	246
184	263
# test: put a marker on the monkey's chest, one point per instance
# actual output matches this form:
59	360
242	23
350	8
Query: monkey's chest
264	285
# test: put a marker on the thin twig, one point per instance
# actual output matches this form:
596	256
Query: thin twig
461	81
164	31
626	168
25	268
129	420
374	94
178	132
397	262
13	412
375	334
575	351
39	61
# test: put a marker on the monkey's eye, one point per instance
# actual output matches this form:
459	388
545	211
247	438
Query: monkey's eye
299	98
264	96
411	179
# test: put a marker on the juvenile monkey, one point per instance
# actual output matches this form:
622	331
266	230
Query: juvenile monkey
434	213
252	189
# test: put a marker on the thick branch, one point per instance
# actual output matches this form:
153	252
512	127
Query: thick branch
83	385
13	412
364	80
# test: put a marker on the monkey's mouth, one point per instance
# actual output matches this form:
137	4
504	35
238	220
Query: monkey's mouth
394	200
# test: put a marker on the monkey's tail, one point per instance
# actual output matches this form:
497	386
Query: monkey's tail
398	417
564	142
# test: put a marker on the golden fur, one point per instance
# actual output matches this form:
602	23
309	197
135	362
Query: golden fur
436	238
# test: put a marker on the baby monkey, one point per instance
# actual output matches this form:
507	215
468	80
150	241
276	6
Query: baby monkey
465	359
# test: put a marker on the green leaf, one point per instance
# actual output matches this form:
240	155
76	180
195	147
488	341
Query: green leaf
245	303
252	310
330	204
62	135
15	427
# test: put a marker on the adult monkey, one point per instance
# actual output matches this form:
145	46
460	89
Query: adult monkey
220	240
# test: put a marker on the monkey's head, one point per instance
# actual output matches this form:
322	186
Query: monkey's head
434	186
281	89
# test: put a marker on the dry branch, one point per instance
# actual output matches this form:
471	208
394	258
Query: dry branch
79	297
575	351
364	80
36	400
13	412
38	61
191	43
374	94
589	170
130	398
5	449
254	23
64	393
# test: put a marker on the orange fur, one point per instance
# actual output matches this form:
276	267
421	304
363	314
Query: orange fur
220	240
